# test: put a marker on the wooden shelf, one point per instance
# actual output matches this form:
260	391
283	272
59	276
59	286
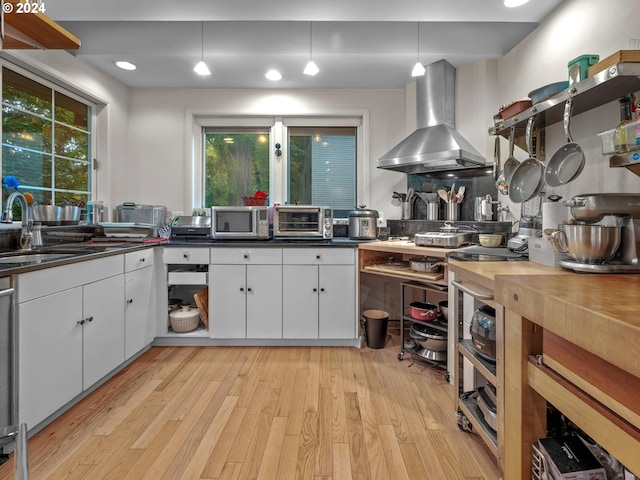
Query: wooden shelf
470	409
35	31
485	367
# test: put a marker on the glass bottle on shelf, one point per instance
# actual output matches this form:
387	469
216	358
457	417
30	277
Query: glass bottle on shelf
620	135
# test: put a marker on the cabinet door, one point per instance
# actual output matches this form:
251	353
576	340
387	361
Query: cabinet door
300	301
50	354
103	332
264	301
227	301
337	300
140	310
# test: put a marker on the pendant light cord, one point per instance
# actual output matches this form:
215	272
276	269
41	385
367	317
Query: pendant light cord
418	59
202	38
310	41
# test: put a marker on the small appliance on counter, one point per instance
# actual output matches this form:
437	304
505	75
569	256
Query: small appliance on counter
363	224
447	237
191	228
605	234
302	222
240	223
129	212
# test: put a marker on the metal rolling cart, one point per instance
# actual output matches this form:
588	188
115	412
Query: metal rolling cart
439	324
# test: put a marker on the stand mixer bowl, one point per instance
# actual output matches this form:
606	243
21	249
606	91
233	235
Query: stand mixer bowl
587	243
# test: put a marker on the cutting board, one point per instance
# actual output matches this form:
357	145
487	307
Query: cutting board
618	57
405	271
202	301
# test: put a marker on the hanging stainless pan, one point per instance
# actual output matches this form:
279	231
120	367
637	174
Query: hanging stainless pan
528	179
568	161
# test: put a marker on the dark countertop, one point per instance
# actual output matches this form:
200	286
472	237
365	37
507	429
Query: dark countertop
64	254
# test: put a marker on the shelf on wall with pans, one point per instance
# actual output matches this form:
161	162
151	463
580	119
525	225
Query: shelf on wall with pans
604	87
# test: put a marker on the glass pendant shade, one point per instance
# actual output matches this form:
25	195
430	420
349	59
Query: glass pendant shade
311	68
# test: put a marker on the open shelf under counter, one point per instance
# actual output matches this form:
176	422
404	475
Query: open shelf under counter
485	367
469	407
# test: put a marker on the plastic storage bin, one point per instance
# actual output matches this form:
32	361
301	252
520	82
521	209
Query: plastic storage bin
579	67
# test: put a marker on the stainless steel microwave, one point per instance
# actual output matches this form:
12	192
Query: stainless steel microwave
250	223
302	221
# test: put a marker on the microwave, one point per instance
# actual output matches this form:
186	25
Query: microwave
302	221
240	223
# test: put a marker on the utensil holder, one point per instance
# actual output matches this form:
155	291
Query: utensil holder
433	210
405	211
452	211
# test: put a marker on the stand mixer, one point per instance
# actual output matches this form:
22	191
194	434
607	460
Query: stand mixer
624	208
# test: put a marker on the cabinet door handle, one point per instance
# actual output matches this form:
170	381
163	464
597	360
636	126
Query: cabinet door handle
317	257
130	301
185	256
473	293
242	289
142	259
249	289
80	322
245	256
322	289
90	319
315	289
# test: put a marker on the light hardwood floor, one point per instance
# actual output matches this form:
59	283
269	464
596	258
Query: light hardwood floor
270	413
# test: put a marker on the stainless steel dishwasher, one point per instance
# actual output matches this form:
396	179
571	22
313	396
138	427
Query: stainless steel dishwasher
11	435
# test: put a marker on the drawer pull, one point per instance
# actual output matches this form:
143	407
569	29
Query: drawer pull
245	256
130	301
242	289
317	257
473	293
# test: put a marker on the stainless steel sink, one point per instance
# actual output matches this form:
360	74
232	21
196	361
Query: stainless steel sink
35	257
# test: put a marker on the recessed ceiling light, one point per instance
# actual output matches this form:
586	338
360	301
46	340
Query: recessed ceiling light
123	64
273	75
514	3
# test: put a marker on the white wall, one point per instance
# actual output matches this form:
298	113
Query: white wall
158	139
577	27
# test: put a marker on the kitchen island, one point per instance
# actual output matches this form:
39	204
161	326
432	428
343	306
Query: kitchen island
571	340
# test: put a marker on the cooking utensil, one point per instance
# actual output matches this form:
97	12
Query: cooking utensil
496	157
429	338
528	178
444	309
431	355
504	178
567	163
427	312
426	264
442	193
460	194
185	319
47	214
587	243
490	240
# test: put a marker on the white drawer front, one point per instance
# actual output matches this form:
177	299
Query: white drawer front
238	256
137	260
177	255
319	256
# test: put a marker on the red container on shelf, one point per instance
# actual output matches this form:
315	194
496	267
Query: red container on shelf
427	312
514	108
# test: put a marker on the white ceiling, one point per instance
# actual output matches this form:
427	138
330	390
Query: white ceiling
356	43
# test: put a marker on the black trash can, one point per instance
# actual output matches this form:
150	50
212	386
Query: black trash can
375	327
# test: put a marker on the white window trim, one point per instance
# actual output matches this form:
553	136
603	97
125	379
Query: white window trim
197	120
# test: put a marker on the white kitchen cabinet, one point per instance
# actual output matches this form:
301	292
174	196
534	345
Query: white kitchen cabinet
319	293
70	332
245	293
140	301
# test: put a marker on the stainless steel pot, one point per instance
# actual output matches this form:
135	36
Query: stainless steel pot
426	264
587	243
363	224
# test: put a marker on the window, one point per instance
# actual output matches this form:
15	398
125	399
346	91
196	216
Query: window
236	163
322	167
46	140
316	163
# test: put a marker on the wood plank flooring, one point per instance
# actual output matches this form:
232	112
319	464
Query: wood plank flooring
272	413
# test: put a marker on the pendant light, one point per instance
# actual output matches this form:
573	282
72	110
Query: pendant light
311	68
201	67
418	68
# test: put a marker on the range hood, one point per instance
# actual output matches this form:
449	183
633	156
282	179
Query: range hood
436	145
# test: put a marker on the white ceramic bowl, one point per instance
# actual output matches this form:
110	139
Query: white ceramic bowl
490	240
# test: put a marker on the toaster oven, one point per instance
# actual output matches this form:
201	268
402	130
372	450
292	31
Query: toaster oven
302	221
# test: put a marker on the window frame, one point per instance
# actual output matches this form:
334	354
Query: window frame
278	170
60	87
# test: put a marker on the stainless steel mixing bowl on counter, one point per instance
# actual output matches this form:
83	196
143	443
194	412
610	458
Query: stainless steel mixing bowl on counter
587	243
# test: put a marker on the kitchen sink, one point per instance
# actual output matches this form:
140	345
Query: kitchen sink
35	257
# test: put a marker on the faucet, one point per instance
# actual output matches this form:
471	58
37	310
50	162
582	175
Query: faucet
27	221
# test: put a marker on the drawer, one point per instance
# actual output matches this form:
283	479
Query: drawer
187	277
319	256
238	256
138	260
185	255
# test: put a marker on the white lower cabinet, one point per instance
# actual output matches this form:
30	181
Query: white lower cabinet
70	332
319	293
140	301
245	293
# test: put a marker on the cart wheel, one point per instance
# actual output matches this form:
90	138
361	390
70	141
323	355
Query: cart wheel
400	356
447	377
463	423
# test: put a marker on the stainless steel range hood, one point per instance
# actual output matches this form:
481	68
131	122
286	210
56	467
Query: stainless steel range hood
435	145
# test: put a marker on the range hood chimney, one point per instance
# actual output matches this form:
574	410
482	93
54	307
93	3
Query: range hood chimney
435	145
